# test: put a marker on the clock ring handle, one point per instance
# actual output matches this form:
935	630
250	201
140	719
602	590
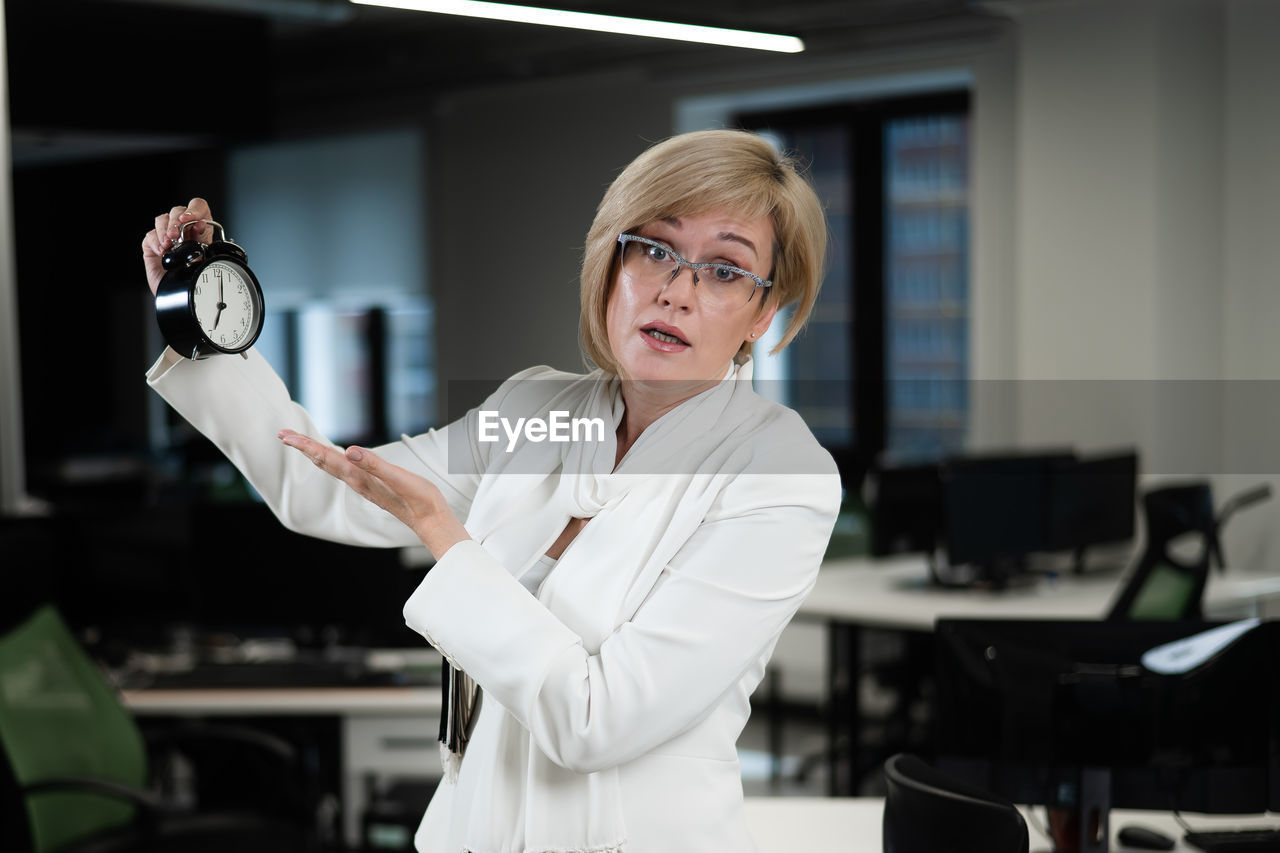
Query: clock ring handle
182	232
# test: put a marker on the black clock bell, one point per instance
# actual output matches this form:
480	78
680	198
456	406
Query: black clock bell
209	302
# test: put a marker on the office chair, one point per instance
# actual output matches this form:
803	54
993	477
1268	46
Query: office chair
926	810
74	768
1163	586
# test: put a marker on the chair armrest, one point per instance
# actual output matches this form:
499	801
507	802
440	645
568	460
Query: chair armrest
144	800
233	766
149	811
213	734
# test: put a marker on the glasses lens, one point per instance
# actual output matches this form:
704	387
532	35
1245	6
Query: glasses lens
719	286
725	286
648	263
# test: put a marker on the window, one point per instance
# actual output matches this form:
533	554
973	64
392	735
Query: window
882	368
335	229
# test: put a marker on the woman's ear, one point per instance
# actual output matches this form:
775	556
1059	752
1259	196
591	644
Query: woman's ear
762	322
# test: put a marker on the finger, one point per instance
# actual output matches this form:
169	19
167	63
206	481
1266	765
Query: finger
394	476
327	458
321	454
151	246
417	494
163	240
196	209
172	230
334	463
181	214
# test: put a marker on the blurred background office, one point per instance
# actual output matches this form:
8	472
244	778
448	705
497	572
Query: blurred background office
1053	224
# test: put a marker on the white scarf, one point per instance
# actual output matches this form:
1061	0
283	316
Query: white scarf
642	514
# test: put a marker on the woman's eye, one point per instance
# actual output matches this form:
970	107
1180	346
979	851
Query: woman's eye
656	253
726	275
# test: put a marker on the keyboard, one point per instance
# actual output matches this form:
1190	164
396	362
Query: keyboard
1262	840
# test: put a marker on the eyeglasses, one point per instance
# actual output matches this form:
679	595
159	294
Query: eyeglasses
722	285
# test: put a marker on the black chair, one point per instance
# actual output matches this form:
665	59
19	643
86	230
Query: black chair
1163	586
77	776
926	810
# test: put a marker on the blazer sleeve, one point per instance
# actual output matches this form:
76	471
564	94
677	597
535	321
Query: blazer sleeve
241	404
722	602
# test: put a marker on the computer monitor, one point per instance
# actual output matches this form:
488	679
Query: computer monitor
1024	707
1092	501
995	509
231	569
904	505
985	514
283	582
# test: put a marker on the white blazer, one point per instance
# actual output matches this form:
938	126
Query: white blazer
657	704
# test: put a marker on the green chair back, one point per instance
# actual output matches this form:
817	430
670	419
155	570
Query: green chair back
60	718
1163	587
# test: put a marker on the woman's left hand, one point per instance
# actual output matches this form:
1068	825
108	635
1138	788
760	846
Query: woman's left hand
414	500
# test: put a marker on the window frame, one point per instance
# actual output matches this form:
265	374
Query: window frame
865	120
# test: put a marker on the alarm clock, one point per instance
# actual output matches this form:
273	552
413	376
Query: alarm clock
209	301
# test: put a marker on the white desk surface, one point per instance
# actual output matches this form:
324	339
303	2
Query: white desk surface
895	593
408	701
853	824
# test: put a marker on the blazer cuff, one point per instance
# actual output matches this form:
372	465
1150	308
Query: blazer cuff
163	364
487	624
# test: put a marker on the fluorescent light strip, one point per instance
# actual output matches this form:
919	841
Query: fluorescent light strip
599	23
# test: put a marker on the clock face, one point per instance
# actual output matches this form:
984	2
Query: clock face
226	305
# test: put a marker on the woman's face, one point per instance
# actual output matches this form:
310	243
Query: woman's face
673	331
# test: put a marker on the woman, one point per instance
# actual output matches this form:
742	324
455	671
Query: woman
616	597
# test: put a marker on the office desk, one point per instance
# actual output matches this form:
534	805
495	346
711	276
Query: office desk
286	701
384	731
853	824
895	593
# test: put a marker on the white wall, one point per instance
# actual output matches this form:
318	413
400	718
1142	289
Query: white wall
515	175
1251	286
1252	187
1146	235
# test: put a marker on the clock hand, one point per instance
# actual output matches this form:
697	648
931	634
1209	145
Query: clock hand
221	303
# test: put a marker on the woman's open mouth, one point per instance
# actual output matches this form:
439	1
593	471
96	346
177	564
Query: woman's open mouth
663	337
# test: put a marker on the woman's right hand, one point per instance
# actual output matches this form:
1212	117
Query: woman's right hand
166	232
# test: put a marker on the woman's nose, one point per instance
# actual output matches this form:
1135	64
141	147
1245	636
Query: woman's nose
680	290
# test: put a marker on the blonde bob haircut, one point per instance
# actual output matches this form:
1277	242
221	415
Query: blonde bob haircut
696	173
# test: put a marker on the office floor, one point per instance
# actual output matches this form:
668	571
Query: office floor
801	769
799	775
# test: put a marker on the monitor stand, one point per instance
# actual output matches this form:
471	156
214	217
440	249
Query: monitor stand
1086	826
1095	809
995	575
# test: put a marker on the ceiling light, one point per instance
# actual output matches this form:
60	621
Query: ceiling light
599	23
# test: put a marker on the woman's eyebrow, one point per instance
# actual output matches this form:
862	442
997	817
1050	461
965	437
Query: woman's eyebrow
727	236
738	238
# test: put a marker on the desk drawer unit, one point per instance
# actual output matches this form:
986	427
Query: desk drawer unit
381	748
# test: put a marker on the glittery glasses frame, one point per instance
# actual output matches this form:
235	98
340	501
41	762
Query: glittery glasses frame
623	239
